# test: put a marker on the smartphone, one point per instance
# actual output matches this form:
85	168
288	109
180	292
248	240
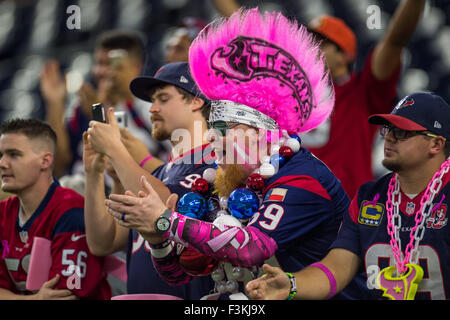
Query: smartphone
98	112
121	118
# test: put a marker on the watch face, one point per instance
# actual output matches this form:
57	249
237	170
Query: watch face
163	224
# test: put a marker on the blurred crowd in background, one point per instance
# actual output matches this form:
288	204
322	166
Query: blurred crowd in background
35	31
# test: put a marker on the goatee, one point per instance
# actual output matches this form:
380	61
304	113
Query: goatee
160	134
390	165
228	180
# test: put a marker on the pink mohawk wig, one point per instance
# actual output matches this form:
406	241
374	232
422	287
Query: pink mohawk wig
266	62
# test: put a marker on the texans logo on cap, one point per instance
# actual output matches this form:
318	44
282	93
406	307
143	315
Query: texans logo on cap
427	112
404	103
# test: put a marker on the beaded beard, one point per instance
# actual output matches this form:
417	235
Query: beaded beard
230	206
267	72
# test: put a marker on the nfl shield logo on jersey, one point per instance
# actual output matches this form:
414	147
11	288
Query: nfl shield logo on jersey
23	236
410	208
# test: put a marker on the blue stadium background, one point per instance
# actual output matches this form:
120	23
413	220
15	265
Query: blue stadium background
31	32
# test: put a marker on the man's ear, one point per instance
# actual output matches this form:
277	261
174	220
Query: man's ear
47	160
437	145
197	104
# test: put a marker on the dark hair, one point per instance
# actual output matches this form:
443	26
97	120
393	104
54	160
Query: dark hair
446	148
31	128
130	41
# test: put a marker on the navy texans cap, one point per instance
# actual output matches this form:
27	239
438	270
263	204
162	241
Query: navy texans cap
176	74
418	112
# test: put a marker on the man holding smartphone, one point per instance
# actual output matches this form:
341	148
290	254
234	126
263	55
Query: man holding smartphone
98	114
177	104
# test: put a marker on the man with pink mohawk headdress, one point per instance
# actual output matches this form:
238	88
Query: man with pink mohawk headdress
276	200
371	90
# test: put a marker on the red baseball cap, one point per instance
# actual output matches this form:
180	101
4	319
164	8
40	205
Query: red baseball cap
337	31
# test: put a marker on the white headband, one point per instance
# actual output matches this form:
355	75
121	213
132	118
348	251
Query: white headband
229	111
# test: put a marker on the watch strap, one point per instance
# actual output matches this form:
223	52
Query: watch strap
166	214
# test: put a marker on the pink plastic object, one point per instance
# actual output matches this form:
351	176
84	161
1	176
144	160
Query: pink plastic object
145	297
40	263
116	267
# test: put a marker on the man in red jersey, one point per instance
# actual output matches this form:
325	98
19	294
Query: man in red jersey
346	148
40	207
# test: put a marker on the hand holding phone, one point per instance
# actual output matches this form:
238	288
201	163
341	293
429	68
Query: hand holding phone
98	112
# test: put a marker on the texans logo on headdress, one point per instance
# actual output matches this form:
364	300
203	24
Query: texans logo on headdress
246	58
267	62
404	103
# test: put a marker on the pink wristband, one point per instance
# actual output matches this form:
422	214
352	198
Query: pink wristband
145	160
330	276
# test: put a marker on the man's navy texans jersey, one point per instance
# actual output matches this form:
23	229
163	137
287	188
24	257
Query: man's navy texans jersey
303	207
178	175
364	232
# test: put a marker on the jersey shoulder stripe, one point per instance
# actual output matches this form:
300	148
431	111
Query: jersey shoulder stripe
70	221
304	182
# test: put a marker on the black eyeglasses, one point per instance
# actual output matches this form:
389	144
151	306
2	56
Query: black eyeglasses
400	134
222	126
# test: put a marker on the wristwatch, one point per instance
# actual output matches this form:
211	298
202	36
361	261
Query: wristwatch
162	224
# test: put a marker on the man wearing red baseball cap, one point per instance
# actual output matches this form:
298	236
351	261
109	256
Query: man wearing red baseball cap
345	147
335	30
